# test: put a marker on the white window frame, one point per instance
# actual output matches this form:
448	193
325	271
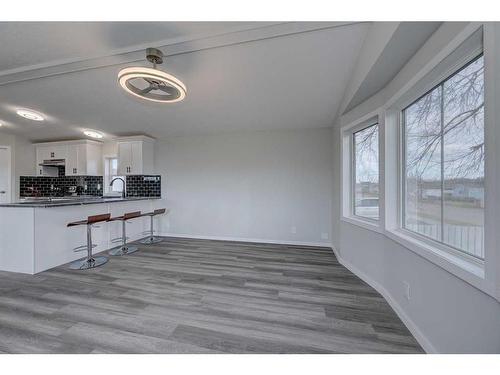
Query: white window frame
474	55
108	176
458	262
483	275
348	172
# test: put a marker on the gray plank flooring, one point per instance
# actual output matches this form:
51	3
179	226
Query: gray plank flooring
201	296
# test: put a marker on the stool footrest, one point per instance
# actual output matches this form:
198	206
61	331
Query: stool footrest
83	247
119	239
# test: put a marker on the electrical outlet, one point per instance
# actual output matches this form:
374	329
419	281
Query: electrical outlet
324	236
406	285
293	230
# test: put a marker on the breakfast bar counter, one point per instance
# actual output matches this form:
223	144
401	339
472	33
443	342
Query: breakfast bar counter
34	236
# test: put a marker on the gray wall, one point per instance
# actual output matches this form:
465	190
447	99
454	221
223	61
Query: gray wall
249	185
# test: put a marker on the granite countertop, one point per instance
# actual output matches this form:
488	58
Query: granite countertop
72	201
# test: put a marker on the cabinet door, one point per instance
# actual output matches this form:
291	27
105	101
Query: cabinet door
136	152
42	153
58	152
81	165
71	168
76	164
124	158
94	160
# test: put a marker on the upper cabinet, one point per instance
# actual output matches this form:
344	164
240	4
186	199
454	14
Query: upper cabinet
51	151
79	158
135	155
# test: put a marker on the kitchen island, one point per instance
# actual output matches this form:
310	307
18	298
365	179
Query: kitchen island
34	235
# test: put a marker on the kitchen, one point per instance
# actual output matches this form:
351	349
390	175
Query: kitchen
69	186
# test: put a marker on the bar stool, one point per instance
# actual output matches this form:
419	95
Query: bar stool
151	238
124	249
90	261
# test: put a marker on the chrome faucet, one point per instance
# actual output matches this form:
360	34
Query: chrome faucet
124	191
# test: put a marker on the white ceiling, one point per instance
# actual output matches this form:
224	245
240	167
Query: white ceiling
240	76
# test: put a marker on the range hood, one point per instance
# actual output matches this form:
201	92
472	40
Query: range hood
53	163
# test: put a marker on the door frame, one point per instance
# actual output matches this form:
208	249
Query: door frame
9	174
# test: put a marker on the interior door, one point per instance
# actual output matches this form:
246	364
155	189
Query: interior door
4	174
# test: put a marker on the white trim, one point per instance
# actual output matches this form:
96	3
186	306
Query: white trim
244	239
73	142
346	168
143	138
424	342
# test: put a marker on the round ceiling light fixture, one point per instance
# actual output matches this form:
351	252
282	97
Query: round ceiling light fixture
150	83
93	134
29	114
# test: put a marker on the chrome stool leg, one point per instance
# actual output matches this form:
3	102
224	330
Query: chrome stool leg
151	239
90	261
125	248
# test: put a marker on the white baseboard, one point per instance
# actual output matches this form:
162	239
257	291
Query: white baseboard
412	327
243	239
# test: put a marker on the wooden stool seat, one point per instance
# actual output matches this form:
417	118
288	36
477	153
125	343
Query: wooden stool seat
91	220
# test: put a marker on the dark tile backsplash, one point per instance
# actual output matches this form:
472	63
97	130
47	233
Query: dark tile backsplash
137	186
144	186
33	186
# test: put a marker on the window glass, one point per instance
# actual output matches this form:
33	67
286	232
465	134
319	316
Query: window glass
444	162
366	173
423	165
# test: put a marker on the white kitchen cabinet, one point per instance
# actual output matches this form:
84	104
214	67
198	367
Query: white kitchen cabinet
48	151
76	163
135	155
82	158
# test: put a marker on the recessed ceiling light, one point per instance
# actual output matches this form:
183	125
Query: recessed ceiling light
30	115
150	83
93	134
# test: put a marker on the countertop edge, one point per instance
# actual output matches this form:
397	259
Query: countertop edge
81	203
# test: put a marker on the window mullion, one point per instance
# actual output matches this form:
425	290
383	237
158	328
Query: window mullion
442	161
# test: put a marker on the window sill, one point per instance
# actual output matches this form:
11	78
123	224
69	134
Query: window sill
360	222
470	270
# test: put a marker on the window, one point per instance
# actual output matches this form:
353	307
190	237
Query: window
366	173
443	167
110	172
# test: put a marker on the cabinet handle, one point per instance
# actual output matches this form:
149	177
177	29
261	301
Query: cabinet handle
51	154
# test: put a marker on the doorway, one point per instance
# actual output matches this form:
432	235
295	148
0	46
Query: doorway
5	174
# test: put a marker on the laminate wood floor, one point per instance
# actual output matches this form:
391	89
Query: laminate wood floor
201	296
